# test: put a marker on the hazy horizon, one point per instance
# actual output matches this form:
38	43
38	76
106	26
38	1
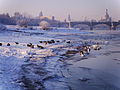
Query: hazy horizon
78	9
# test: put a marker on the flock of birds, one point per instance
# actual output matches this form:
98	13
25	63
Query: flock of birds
38	46
83	50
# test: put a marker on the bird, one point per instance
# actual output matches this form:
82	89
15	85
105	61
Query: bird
8	44
41	47
52	41
30	45
0	44
57	41
68	42
86	49
81	53
41	41
49	42
96	46
45	42
16	43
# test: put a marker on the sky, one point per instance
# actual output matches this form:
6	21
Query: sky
78	9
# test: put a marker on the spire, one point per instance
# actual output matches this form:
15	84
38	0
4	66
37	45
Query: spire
69	18
41	14
107	15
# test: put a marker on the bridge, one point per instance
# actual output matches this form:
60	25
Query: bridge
112	25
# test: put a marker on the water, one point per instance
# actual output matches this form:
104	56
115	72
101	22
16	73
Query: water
97	71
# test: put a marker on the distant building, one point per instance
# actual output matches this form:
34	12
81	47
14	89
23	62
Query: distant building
93	20
107	17
53	18
65	20
41	14
42	17
69	18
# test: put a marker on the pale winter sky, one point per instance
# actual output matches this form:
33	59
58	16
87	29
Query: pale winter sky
78	9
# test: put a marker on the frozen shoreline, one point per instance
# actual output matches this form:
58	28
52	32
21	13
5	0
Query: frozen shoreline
47	69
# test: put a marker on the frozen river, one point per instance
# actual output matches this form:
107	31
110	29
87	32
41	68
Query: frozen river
51	68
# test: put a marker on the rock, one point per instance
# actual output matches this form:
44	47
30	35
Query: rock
71	52
84	79
79	47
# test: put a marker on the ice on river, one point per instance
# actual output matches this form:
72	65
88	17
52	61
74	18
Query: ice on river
23	67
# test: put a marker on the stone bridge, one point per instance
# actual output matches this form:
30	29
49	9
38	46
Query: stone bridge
112	25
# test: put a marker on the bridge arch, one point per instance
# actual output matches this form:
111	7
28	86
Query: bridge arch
82	26
101	27
118	27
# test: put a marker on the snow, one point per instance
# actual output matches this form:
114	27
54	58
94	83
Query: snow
2	27
9	71
13	57
18	62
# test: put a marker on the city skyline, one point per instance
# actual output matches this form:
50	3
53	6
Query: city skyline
78	9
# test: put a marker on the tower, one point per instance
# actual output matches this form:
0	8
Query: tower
107	17
69	20
41	14
53	18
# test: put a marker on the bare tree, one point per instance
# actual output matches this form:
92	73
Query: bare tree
45	25
23	22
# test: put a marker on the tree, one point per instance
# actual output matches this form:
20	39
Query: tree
45	25
23	22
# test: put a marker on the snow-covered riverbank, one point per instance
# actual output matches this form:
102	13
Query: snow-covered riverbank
23	67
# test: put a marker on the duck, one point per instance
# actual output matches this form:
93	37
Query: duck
96	46
53	41
49	42
68	42
57	41
41	47
8	44
16	43
82	53
0	44
86	49
45	42
29	45
32	46
41	41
